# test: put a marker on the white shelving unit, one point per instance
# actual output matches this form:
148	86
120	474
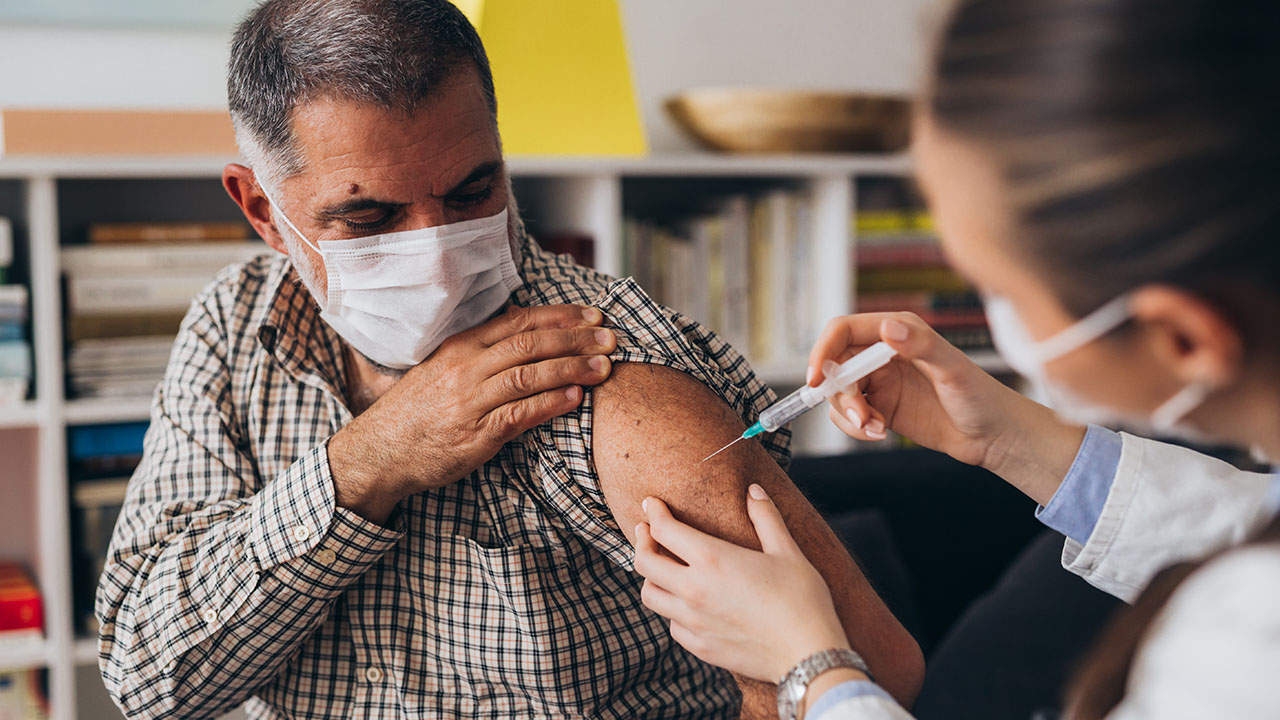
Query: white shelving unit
584	195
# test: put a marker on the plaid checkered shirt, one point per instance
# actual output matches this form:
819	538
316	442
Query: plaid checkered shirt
233	577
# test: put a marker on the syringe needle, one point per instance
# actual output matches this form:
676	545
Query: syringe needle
726	447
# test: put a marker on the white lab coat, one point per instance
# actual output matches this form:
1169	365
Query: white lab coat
1214	651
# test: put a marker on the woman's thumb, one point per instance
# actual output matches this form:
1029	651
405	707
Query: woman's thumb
775	539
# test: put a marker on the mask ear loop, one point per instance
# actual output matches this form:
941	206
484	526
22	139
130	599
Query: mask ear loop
1166	417
286	219
1084	331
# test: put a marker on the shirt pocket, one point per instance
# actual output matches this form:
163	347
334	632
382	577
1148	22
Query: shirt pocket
510	626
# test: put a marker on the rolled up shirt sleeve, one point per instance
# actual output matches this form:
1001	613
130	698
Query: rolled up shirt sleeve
1075	508
215	576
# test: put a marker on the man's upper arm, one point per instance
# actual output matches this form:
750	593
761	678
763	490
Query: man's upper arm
654	425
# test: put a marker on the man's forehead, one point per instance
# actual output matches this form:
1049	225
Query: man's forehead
344	142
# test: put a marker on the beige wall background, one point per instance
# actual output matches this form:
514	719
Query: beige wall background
871	45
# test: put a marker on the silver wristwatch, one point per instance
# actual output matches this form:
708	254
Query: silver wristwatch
792	687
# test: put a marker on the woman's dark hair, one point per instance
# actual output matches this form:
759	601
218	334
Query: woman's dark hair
1138	138
1139	143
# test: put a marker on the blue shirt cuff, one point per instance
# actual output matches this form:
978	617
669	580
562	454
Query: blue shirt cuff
1076	506
840	693
1273	498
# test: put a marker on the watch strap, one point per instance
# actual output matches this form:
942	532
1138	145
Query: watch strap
793	686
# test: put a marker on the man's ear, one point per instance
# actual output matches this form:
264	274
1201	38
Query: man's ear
242	186
1193	337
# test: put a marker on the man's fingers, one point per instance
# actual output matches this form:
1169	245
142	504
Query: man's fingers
543	344
684	541
523	381
652	563
775	538
523	319
507	421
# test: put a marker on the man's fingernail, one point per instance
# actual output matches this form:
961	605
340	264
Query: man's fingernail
854	417
604	338
572	393
644	505
757	492
808	376
590	314
894	330
597	363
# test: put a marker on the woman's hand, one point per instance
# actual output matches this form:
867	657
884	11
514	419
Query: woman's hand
935	395
754	613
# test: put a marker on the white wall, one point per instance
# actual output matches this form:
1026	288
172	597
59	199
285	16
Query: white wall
674	44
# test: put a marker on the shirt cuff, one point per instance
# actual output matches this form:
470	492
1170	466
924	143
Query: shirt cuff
1076	506
296	517
844	691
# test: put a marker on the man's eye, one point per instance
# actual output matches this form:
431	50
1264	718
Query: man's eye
473	198
366	219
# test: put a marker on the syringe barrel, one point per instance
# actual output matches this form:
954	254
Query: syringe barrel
790	407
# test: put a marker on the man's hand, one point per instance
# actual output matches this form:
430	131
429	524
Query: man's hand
455	410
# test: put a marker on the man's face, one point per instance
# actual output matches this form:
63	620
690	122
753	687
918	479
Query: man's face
369	170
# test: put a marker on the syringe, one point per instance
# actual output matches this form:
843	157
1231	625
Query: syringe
835	379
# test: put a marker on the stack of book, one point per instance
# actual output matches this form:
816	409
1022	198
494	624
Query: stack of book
22	695
21	611
127	291
900	267
102	457
15	342
744	270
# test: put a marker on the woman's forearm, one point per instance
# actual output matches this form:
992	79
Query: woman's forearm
1036	450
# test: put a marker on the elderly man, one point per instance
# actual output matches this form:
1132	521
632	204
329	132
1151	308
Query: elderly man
366	493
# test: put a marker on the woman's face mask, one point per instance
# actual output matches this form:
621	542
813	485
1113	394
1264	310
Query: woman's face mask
395	297
1028	357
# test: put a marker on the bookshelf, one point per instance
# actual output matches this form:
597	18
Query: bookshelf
51	198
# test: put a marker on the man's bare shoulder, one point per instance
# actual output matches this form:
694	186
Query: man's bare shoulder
654	425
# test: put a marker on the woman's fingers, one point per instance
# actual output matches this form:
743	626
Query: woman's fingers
652	563
856	418
775	538
915	340
842	334
685	542
662	601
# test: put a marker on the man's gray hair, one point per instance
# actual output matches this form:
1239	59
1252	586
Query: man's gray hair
392	53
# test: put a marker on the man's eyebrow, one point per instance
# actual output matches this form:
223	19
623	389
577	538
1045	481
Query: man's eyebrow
356	205
482	171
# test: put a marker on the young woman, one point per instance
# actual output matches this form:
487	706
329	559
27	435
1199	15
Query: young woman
1106	172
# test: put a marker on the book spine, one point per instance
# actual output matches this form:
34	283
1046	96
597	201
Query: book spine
207	258
98	295
113	325
118	233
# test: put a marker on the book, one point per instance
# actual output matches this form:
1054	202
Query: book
89	441
580	246
910	278
22	695
207	257
96	506
123	324
116	132
6	244
121	293
870	222
15	359
162	233
21	610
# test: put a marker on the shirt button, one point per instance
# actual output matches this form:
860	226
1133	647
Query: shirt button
210	615
301	533
373	674
326	556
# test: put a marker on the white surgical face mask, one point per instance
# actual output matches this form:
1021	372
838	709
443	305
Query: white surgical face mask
395	297
1028	358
